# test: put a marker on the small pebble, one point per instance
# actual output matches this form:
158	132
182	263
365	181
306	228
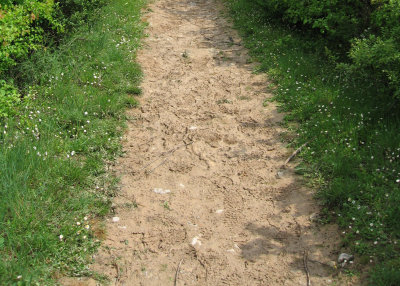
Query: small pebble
219	211
192	224
345	256
115	219
314	217
280	174
195	241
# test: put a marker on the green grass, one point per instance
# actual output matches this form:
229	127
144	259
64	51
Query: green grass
353	151
53	154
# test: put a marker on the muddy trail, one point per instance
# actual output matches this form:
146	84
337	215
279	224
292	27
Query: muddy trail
203	198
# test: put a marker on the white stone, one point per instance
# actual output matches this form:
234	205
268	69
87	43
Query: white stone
161	191
195	241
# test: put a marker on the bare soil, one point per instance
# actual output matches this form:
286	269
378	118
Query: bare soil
204	200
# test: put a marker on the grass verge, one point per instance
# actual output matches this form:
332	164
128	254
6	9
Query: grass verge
353	150
53	181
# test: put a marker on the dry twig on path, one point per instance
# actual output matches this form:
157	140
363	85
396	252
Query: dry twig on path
177	272
305	258
162	163
168	153
115	264
295	153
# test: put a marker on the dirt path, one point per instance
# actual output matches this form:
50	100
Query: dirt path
202	158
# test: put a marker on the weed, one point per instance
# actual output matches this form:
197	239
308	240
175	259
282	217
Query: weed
132	205
243	97
223	101
166	206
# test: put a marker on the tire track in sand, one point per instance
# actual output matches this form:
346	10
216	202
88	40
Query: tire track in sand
203	134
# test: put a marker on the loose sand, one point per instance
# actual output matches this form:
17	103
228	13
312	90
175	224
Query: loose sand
202	162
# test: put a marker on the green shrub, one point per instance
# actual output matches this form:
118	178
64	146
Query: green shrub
22	29
376	58
364	34
76	12
9	98
338	20
27	26
377	61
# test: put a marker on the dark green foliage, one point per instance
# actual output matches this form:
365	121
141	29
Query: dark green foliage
338	20
76	12
368	31
375	56
387	274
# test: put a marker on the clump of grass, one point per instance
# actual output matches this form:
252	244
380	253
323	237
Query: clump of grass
53	181
223	101
185	54
166	205
353	151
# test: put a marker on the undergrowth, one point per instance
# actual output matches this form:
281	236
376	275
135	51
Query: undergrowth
352	130
53	152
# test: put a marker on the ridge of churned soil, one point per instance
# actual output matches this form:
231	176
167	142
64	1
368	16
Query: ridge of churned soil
201	164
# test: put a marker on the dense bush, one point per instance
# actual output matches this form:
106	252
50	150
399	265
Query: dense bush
22	28
376	56
338	20
9	98
30	25
74	12
368	31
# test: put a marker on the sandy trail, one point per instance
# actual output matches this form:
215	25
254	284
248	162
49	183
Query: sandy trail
202	157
